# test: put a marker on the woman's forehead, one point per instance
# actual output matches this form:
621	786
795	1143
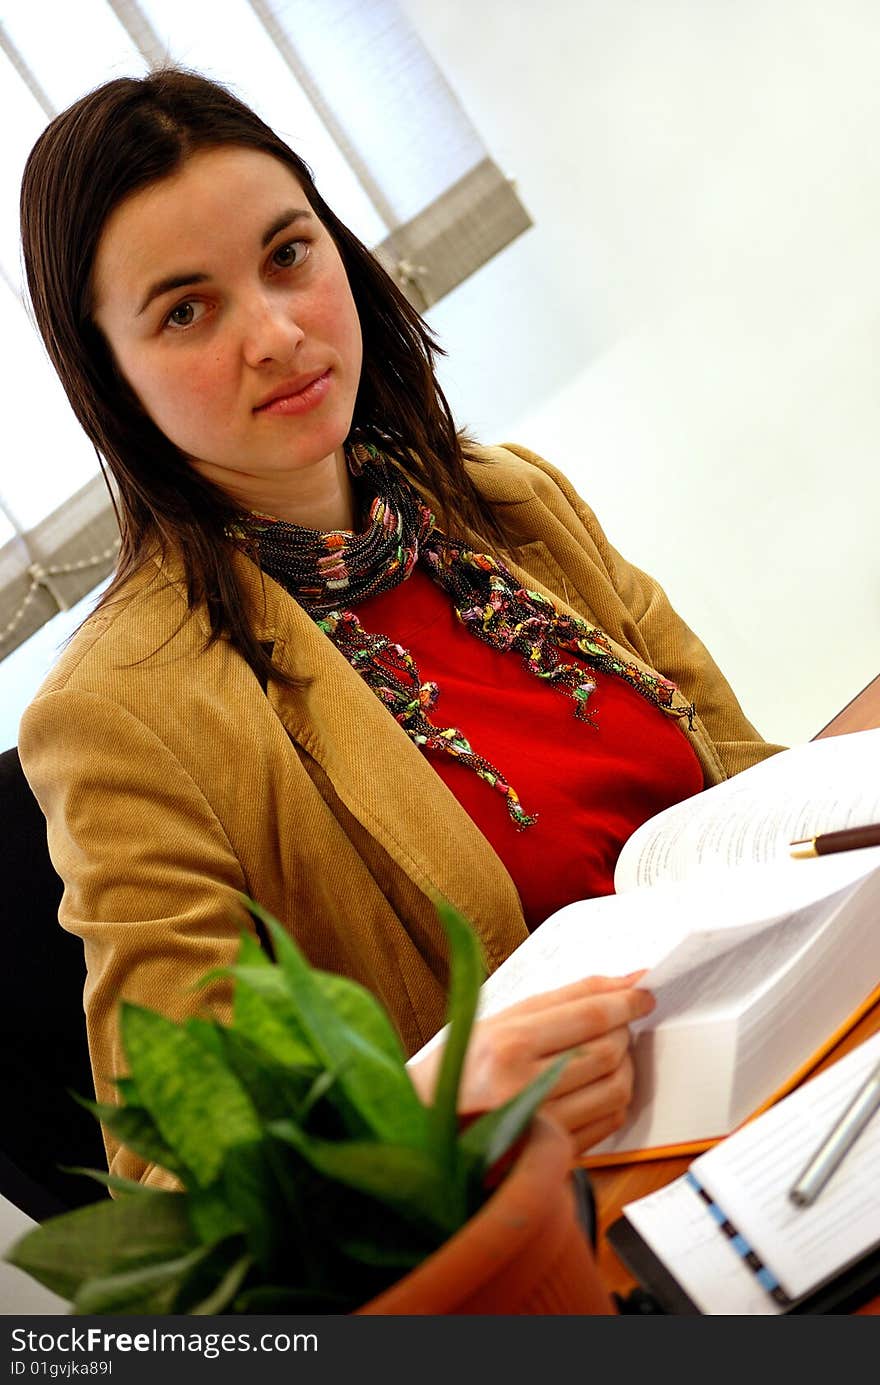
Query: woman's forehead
219	199
237	178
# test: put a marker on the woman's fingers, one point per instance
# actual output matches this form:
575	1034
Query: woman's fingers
575	990
594	1035
587	1137
594	1060
588	1021
602	1103
567	1023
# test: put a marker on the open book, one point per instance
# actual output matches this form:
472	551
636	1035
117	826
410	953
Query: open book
726	1238
759	962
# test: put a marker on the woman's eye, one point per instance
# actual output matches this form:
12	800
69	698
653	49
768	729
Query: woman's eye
184	314
291	254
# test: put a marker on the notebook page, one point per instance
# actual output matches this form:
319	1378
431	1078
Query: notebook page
676	1225
750	1173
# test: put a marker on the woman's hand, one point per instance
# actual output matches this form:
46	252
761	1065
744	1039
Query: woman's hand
507	1050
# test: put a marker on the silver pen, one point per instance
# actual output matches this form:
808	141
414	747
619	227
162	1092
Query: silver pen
837	1142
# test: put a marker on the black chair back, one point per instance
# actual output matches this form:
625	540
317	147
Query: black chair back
43	1050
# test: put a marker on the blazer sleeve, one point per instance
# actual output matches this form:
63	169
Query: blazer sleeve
150	880
648	623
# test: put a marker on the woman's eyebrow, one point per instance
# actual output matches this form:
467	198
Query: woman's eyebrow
186	277
281	223
171	281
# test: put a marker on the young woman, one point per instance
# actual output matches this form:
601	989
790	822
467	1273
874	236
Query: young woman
349	658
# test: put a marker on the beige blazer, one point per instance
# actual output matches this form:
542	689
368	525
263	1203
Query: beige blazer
171	780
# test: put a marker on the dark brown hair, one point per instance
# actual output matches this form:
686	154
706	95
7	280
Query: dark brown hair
125	135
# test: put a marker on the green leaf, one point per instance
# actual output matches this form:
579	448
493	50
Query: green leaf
299	1190
376	1087
487	1139
262	1007
128	1186
282	1298
314	1173
359	1009
317	1091
149	1289
253	1194
211	1216
405	1179
264	1011
103	1238
207	1033
467	973
199	1106
251	954
218	1300
135	1128
275	1089
385	1257
127	1090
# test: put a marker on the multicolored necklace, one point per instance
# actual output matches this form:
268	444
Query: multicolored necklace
329	572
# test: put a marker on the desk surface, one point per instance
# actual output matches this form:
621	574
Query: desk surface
615	1186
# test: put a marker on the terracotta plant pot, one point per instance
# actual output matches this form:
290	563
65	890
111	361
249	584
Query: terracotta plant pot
524	1252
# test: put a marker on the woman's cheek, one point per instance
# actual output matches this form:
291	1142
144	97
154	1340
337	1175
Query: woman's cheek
200	384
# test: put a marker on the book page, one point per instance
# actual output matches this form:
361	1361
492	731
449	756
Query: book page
749	1175
821	786
679	932
607	936
739	939
729	1035
682	937
703	977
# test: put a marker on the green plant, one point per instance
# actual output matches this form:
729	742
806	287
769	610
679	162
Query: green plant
312	1175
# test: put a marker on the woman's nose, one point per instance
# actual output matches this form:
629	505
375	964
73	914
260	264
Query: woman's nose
271	331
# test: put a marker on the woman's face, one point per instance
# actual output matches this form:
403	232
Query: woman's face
228	311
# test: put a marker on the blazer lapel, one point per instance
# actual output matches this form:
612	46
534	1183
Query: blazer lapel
381	776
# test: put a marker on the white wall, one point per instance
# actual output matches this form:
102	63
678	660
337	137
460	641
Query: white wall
690	329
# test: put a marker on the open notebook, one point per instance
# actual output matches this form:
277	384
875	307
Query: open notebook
725	1237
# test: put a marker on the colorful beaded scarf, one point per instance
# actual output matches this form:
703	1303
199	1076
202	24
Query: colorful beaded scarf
329	572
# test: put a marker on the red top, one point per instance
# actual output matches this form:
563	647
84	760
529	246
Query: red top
591	786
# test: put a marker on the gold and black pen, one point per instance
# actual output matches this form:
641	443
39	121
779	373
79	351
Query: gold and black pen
848	839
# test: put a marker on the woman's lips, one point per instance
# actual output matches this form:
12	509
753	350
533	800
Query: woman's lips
300	402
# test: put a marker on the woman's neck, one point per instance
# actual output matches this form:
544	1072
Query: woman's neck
319	497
